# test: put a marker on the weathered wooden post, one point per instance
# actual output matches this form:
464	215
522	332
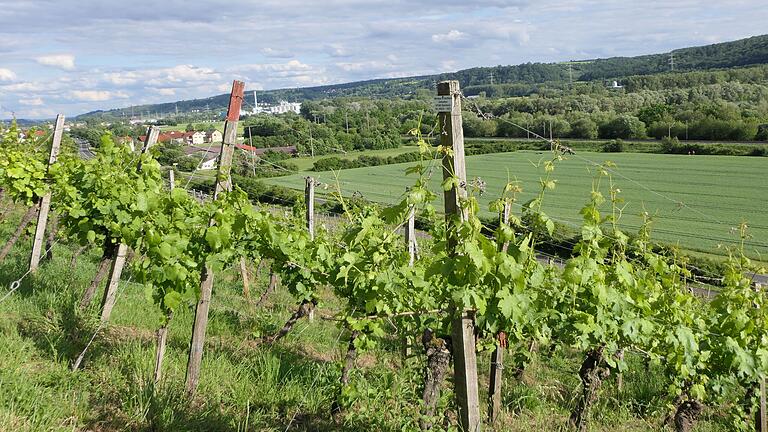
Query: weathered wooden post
45	201
223	183
118	262
172	178
410	235
246	279
309	198
762	413
162	332
497	358
410	242
463	328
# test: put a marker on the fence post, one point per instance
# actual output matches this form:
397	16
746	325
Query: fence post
246	278
110	292
162	332
309	198
761	419
410	235
410	242
172	179
497	358
45	201
463	326
762	415
223	183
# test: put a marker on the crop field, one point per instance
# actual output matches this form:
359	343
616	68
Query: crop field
695	201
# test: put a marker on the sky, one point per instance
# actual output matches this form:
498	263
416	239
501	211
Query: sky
70	57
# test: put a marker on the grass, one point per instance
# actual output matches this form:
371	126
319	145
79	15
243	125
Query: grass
695	201
245	387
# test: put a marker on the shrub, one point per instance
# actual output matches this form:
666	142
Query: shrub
614	146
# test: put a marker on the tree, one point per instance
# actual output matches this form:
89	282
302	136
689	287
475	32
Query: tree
584	128
624	126
190	128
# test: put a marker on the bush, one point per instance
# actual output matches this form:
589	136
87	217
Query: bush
614	146
670	145
260	192
624	127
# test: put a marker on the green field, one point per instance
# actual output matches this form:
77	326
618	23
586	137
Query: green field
695	200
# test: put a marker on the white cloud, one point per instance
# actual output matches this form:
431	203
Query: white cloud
122	78
337	50
97	95
61	61
224	88
271	52
7	75
292	43
292	65
451	36
36	101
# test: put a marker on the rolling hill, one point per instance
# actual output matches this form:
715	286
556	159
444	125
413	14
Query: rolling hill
518	79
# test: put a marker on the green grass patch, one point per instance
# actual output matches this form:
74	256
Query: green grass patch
695	201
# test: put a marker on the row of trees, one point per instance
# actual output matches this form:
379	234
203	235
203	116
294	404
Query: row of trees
338	125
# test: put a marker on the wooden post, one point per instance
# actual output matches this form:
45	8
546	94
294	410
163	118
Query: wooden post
162	332
110	293
246	279
171	179
762	414
45	202
410	235
223	183
410	242
309	198
463	326
497	358
162	339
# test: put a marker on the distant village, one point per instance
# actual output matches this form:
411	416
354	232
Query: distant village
194	142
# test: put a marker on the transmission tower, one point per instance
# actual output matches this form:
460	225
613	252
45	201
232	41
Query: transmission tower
672	61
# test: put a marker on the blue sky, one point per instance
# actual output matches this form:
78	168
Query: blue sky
75	56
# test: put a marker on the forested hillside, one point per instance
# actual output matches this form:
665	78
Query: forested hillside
515	80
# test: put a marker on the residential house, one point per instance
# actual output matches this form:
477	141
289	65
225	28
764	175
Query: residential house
194	138
208	157
213	136
177	137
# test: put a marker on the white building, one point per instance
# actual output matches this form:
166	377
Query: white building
194	138
209	164
281	108
213	136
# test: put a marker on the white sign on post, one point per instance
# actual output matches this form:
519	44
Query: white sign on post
443	103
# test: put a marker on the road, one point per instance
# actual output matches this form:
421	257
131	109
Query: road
83	148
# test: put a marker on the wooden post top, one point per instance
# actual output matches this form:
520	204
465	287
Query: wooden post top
235	100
